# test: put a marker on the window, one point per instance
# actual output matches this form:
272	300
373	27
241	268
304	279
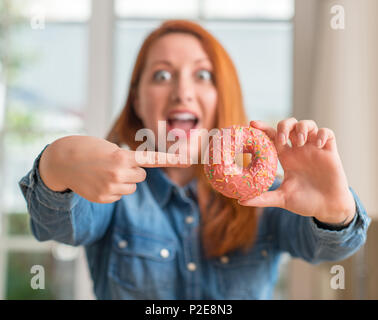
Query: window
44	73
257	35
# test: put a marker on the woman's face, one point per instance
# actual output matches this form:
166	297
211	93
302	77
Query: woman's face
176	86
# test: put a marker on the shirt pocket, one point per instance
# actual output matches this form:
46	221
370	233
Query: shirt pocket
245	275
143	262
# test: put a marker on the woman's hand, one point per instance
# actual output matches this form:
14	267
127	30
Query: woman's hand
314	182
96	169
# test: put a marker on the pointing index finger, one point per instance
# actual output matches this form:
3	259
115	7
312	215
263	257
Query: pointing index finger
153	159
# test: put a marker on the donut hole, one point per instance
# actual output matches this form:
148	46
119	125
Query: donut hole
243	160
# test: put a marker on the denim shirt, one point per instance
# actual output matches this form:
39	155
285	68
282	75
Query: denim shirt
147	245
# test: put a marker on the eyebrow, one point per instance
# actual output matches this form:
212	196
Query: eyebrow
170	64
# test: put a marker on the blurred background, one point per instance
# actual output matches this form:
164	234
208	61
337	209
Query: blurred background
65	67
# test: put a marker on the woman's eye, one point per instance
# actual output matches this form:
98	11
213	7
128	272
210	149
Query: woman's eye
204	75
162	75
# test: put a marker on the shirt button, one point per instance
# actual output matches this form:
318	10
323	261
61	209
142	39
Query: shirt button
191	266
164	253
224	259
189	219
122	244
264	253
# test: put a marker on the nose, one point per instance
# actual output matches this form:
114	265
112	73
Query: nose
183	90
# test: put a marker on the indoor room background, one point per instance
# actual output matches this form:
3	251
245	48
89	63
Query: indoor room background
65	67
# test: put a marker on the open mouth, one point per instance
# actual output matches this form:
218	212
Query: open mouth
182	120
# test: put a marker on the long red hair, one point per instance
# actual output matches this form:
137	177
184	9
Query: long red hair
225	225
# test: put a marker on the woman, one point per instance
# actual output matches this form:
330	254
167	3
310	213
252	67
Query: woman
159	231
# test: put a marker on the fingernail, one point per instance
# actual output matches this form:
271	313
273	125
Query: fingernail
300	139
282	138
319	143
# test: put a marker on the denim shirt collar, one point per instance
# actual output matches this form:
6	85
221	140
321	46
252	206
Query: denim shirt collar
162	187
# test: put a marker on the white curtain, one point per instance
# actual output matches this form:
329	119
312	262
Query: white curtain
336	84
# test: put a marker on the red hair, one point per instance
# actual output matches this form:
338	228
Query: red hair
225	225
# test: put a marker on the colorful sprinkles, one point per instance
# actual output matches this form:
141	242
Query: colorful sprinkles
247	182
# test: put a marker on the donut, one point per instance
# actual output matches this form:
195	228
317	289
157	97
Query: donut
233	180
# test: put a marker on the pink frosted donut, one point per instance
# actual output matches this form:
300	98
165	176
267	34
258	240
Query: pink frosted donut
232	180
